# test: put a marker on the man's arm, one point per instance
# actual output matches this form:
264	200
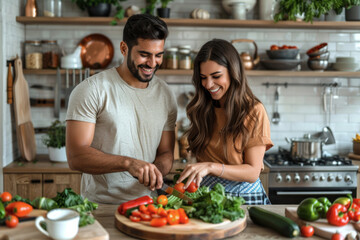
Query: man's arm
165	152
82	157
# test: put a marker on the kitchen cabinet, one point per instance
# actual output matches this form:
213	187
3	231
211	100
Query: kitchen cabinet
40	178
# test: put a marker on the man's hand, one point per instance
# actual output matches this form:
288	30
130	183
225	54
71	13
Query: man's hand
147	174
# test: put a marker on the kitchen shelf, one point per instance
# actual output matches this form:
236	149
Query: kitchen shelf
255	73
233	23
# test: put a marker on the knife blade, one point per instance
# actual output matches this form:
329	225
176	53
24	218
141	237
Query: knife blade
170	190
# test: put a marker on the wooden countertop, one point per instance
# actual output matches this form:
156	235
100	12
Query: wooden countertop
105	215
41	164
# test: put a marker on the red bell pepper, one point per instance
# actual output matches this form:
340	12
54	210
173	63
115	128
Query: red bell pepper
354	213
134	203
337	215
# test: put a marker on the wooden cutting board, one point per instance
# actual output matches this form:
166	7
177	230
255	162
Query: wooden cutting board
27	230
195	229
24	128
322	227
354	156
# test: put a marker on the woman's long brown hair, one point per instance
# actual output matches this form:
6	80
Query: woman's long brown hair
239	99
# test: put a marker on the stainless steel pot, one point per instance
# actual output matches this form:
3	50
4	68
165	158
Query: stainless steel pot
304	148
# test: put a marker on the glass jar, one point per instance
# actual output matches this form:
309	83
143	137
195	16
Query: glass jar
171	58
184	59
49	8
193	54
181	47
51	54
33	55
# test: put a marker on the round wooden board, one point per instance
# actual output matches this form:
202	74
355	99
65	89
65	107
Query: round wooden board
195	229
354	156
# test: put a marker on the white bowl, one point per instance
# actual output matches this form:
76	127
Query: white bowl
73	60
250	4
345	60
346	67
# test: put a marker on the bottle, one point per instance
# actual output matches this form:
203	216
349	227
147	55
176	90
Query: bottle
171	58
184	59
33	55
51	54
49	8
58	8
31	8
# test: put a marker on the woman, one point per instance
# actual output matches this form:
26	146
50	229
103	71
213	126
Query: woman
229	128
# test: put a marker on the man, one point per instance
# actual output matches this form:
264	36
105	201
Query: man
120	122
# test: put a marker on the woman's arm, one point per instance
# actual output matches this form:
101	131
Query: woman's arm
249	171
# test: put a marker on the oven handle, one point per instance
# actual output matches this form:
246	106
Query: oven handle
314	193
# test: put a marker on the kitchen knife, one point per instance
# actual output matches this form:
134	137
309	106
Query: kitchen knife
170	190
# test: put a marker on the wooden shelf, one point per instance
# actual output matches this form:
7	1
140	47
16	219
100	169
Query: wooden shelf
230	23
254	73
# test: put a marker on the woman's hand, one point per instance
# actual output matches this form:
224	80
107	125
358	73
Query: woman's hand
195	172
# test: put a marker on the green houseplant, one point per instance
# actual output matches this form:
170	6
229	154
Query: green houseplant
54	139
164	11
98	8
310	9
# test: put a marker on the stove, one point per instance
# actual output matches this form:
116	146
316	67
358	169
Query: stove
291	180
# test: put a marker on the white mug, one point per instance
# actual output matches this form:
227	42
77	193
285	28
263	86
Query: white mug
61	224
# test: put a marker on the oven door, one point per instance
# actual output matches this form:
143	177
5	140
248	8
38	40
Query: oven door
296	195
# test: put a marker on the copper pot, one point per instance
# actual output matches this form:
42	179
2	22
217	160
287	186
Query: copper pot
248	61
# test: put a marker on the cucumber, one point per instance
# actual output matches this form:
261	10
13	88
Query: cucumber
281	224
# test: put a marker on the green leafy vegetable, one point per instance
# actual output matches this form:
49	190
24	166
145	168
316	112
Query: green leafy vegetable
44	203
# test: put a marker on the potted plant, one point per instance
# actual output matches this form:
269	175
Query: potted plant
150	7
164	11
55	141
101	8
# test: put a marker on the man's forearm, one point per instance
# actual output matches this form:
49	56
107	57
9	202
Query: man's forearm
164	162
92	161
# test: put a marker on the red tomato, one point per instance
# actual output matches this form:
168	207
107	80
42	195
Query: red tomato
337	236
274	47
158	222
284	47
307	230
192	187
180	187
134	218
183	217
5	197
11	221
22	209
9	207
173	217
162	199
145	217
136	213
143	208
151	208
162	212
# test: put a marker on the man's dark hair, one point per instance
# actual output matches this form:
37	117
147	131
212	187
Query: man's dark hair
143	26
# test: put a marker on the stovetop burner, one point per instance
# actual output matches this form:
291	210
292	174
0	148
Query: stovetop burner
283	158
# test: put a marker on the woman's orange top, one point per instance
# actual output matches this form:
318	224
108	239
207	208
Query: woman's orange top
260	135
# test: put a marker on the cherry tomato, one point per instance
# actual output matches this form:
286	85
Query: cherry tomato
11	221
162	212
145	217
307	230
173	217
183	217
158	222
5	197
134	218
143	208
22	209
192	187
337	236
274	47
284	47
136	213
162	199
9	207
180	187
151	208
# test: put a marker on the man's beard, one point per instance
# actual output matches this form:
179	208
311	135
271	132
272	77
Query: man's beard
135	71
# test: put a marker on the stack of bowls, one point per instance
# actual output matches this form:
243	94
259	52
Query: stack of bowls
318	57
346	64
281	59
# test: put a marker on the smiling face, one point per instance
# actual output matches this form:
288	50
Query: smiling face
215	79
145	58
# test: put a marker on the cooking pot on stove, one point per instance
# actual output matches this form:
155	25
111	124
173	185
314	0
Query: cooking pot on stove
305	148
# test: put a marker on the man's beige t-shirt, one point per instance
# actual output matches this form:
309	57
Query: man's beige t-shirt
129	122
259	135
